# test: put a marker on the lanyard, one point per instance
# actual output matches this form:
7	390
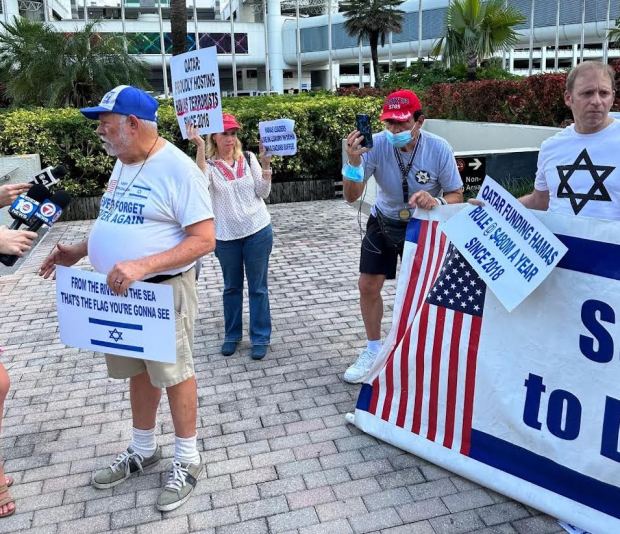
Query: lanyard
404	170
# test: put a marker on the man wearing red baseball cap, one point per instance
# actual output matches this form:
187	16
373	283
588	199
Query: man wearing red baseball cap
412	169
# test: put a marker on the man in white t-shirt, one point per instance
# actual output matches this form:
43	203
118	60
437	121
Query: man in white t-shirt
579	167
412	169
155	221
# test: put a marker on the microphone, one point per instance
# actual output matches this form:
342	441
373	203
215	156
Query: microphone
26	205
47	214
50	210
49	176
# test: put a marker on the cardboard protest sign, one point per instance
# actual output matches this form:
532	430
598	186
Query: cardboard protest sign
196	90
278	137
139	324
506	244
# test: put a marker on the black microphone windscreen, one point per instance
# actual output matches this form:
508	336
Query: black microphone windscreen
59	171
61	199
38	192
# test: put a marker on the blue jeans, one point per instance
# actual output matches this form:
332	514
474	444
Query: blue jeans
252	254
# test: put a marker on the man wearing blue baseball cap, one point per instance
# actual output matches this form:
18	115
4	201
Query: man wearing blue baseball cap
155	221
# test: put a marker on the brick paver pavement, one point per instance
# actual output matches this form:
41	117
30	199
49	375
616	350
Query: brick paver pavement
280	456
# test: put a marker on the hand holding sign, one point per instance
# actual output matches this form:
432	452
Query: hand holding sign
278	137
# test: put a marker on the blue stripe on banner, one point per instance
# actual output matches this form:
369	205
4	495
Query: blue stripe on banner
137	196
131	348
545	473
103	322
590	257
138	186
413	230
363	401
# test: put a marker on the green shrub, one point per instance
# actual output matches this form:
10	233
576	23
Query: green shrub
64	136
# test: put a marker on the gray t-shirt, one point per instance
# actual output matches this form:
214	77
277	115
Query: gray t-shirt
433	170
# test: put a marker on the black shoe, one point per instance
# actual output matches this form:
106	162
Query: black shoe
229	347
259	351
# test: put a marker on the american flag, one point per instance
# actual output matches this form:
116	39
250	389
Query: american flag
111	186
426	381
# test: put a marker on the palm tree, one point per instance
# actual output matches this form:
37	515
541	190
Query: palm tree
613	34
42	67
372	20
475	30
178	26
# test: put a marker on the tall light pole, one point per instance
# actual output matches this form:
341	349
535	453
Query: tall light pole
298	36
531	61
196	36
360	65
583	30
330	67
606	41
265	27
232	48
556	63
162	46
419	30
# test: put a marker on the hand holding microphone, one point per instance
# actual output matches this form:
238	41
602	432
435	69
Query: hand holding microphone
15	242
9	192
46	212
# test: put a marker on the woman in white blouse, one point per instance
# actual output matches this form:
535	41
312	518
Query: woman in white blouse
238	185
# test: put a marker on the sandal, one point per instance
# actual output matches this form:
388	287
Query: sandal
7	499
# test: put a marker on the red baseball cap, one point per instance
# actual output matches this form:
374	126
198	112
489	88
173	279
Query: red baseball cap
400	106
230	122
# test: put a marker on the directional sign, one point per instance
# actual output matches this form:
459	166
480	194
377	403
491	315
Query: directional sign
472	170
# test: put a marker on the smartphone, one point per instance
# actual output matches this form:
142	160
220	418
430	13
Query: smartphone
362	124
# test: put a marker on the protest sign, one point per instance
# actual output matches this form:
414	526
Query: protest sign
278	137
196	90
506	244
139	324
526	402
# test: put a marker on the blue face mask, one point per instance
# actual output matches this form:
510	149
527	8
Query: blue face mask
400	139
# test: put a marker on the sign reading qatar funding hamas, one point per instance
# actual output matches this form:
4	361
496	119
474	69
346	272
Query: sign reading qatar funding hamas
506	244
196	91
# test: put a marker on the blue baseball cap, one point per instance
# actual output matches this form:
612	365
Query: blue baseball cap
125	100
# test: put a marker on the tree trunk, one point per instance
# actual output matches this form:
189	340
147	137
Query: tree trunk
472	65
178	26
374	43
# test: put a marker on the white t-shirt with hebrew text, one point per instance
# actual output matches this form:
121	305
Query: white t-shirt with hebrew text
144	210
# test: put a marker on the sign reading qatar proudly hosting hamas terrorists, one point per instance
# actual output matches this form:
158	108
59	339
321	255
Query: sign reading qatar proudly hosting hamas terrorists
196	91
506	244
524	402
139	324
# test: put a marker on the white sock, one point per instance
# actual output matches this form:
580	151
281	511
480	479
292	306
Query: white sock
143	442
185	450
374	346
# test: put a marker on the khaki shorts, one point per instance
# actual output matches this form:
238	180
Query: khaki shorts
164	375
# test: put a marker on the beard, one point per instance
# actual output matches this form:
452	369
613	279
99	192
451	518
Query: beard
114	149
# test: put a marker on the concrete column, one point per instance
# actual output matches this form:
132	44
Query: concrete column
543	59
575	54
511	61
276	60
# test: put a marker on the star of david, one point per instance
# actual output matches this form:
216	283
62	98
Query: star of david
422	177
597	192
116	335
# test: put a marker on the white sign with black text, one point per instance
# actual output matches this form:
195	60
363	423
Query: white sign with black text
506	244
139	324
278	137
196	91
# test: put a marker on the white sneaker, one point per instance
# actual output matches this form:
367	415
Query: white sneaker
356	373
